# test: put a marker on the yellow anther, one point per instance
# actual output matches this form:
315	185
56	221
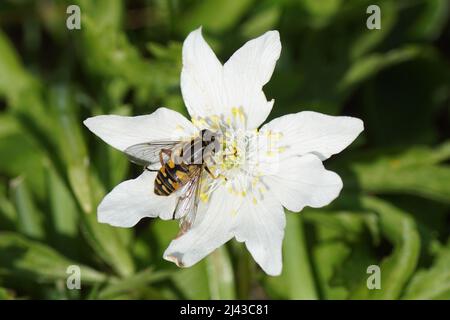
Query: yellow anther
274	135
204	197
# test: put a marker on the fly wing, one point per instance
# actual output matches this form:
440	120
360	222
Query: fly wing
187	205
147	154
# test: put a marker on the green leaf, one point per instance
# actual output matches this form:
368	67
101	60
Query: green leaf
108	244
321	11
414	171
262	21
328	257
368	66
289	284
29	219
6	294
133	285
71	145
341	243
343	225
113	58
434	282
106	13
8	214
64	215
230	12
396	269
20	156
13	79
434	16
33	261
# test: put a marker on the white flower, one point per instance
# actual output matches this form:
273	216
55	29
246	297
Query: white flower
279	165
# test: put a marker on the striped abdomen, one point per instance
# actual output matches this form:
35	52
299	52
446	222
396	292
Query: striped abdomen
170	178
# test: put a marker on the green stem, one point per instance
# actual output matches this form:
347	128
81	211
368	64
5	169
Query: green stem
220	275
297	264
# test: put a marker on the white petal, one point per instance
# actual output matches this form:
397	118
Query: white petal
247	71
233	91
212	229
133	200
303	181
261	225
313	132
122	132
202	78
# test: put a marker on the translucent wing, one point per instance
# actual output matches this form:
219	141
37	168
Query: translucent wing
187	205
147	153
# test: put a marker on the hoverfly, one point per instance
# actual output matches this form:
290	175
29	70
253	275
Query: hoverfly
182	164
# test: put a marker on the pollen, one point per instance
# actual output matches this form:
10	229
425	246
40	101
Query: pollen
204	197
239	114
281	149
273	135
199	121
215	122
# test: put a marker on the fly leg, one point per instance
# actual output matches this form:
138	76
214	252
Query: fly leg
215	176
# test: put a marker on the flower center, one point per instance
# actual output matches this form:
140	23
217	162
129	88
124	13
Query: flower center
233	152
235	163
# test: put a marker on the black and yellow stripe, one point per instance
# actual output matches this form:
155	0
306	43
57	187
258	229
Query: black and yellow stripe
173	176
169	178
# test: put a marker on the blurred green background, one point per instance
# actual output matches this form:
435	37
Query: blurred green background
126	59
